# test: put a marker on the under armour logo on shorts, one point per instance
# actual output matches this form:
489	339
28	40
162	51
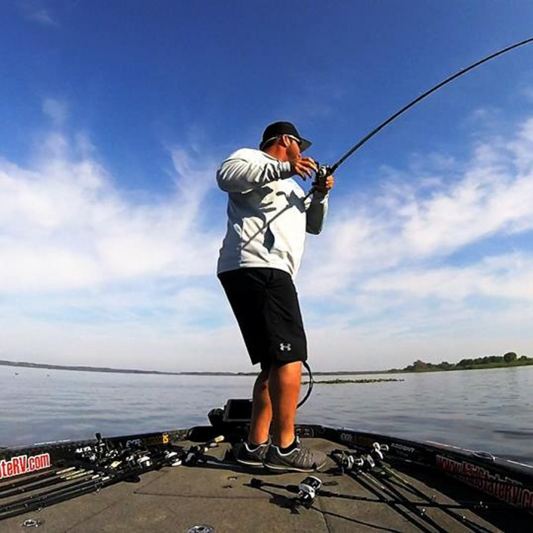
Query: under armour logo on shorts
284	347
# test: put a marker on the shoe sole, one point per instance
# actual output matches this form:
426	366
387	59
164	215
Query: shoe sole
286	468
249	463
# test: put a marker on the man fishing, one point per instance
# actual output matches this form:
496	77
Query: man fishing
268	217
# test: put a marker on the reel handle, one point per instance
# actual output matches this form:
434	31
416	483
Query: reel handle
320	177
321	174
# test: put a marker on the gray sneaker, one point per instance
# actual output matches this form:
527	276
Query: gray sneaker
250	456
301	459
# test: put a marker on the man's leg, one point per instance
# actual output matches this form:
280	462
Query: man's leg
286	452
261	410
284	384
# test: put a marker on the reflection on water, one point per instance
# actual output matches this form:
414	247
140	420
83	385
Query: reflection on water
484	410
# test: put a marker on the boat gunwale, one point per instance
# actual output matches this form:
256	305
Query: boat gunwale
500	478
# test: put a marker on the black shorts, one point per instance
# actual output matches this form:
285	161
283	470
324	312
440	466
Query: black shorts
265	303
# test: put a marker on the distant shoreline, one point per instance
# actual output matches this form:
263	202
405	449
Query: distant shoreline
407	370
22	364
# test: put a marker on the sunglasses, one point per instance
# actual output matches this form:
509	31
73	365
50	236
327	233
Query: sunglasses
295	139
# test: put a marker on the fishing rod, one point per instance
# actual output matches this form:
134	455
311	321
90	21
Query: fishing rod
325	170
359	466
306	495
46	483
108	466
42	499
399	503
389	490
352	460
362	469
33	479
89	482
392	475
57	496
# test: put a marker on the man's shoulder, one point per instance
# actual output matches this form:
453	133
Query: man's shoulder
248	154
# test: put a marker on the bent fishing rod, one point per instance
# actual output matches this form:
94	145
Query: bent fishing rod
325	170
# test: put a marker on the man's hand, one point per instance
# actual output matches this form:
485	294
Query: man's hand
325	186
303	167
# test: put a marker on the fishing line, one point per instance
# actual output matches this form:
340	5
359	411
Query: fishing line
309	386
326	170
376	130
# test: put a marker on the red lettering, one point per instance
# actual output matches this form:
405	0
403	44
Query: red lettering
16	469
527	499
478	477
23	464
514	493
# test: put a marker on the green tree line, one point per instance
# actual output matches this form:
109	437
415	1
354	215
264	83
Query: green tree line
489	361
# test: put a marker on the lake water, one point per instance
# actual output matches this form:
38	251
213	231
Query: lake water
488	410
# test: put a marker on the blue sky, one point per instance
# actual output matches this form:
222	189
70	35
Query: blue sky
115	115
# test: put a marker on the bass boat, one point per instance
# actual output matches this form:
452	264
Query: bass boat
186	480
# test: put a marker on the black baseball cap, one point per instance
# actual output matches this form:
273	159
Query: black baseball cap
283	128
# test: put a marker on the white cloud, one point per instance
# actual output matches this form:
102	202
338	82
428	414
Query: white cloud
417	268
428	269
56	110
79	260
122	346
527	92
508	276
36	11
65	225
416	221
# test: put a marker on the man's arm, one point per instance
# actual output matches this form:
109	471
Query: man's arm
316	214
238	174
318	208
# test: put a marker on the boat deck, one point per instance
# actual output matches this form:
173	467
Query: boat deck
219	495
